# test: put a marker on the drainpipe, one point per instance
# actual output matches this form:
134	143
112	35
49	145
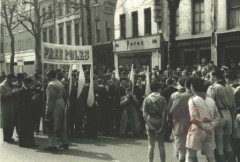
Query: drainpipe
214	54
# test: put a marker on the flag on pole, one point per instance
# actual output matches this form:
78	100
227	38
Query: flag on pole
90	100
70	79
131	78
117	73
81	81
147	89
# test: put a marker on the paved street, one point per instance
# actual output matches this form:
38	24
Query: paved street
103	149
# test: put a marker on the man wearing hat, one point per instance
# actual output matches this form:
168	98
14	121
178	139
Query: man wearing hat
56	112
7	108
25	114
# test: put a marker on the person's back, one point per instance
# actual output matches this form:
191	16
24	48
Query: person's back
154	113
180	113
56	112
222	94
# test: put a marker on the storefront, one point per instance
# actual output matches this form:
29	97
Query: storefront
23	62
228	47
190	51
142	51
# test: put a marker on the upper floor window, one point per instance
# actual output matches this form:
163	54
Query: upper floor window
20	45
135	24
108	31
51	35
44	13
67	7
69	34
29	44
50	12
2	48
2	29
60	34
76	8
98	34
60	9
45	35
77	33
123	26
147	21
198	16
177	22
6	48
233	13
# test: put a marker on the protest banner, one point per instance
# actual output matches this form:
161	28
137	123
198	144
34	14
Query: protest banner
65	54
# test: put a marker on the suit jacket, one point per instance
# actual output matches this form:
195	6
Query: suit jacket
180	114
25	108
139	92
7	105
167	92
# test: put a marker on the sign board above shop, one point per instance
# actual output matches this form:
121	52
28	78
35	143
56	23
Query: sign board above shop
65	54
136	44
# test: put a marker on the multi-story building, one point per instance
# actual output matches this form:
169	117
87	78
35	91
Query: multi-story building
1	42
137	37
1	48
66	25
210	29
204	28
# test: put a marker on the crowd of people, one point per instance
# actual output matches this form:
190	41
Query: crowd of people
197	107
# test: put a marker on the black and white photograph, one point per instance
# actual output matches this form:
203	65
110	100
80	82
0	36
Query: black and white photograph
120	81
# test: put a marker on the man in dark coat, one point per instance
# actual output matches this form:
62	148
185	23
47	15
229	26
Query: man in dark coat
25	114
38	102
139	92
167	92
7	108
107	111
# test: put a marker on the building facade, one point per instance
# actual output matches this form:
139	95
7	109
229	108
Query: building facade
210	29
137	37
65	25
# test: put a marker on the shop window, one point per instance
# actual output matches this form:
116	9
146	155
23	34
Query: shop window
61	41
123	26
138	60
233	13
69	35
77	33
198	16
147	21
135	24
